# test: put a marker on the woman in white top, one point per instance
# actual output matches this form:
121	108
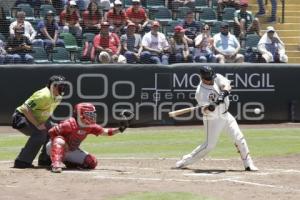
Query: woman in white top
179	47
203	46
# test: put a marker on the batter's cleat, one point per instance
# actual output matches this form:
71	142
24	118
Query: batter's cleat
180	164
251	167
56	169
22	165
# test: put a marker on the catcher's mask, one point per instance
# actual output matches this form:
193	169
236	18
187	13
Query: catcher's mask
85	113
207	73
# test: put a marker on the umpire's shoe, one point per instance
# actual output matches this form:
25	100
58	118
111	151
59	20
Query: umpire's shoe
22	165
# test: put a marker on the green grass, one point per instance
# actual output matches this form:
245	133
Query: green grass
172	143
161	196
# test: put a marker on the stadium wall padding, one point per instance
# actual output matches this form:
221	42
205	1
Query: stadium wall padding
151	91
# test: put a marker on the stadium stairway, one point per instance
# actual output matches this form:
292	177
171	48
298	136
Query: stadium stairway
289	31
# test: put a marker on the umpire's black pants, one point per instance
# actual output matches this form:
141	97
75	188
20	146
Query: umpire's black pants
37	138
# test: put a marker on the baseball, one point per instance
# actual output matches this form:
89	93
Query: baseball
257	111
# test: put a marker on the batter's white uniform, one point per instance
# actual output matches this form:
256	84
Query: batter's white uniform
215	122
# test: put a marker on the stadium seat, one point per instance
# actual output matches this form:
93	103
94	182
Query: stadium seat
228	15
155	3
61	55
252	41
200	4
2	37
28	10
70	41
215	27
127	3
45	8
208	15
88	37
161	14
182	12
40	56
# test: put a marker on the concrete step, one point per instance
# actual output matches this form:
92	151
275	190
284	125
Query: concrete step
290	39
288	7
294	60
285	26
290	13
287	33
279	2
291	19
293	53
292	47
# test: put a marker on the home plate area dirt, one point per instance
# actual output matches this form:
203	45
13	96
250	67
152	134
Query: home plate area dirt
224	179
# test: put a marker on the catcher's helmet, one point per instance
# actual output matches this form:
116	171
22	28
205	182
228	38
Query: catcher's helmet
207	73
85	113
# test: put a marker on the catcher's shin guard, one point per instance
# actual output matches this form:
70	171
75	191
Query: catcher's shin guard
57	151
90	162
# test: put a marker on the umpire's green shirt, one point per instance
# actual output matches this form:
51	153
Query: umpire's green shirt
42	104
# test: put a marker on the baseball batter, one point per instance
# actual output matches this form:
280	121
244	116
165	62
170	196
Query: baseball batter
67	136
212	95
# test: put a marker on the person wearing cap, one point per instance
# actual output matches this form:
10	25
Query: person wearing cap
48	31
204	46
271	47
92	18
117	18
29	31
179	48
18	47
137	14
131	44
69	19
155	46
245	23
226	46
107	45
32	119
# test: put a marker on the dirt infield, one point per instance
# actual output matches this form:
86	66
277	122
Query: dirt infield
278	178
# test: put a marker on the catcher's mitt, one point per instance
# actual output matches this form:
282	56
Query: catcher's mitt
126	117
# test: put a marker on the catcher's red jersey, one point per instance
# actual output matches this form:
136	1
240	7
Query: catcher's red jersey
72	133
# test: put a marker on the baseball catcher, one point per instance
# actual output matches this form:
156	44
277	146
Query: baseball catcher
212	96
67	136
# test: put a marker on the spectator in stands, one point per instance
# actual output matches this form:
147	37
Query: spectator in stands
69	19
131	44
29	31
192	28
137	14
271	47
107	46
175	4
204	46
117	18
179	48
48	30
81	4
3	53
227	46
104	4
18	47
4	23
155	46
92	18
245	23
227	3
262	10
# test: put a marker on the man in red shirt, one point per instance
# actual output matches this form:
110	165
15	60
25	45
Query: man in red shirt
138	15
107	45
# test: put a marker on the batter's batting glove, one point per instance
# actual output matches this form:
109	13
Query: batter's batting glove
221	97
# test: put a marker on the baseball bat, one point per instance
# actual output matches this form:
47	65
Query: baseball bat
182	111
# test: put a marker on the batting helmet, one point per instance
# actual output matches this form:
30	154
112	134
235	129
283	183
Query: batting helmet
85	113
59	82
207	73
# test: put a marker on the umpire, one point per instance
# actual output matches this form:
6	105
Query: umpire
32	119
